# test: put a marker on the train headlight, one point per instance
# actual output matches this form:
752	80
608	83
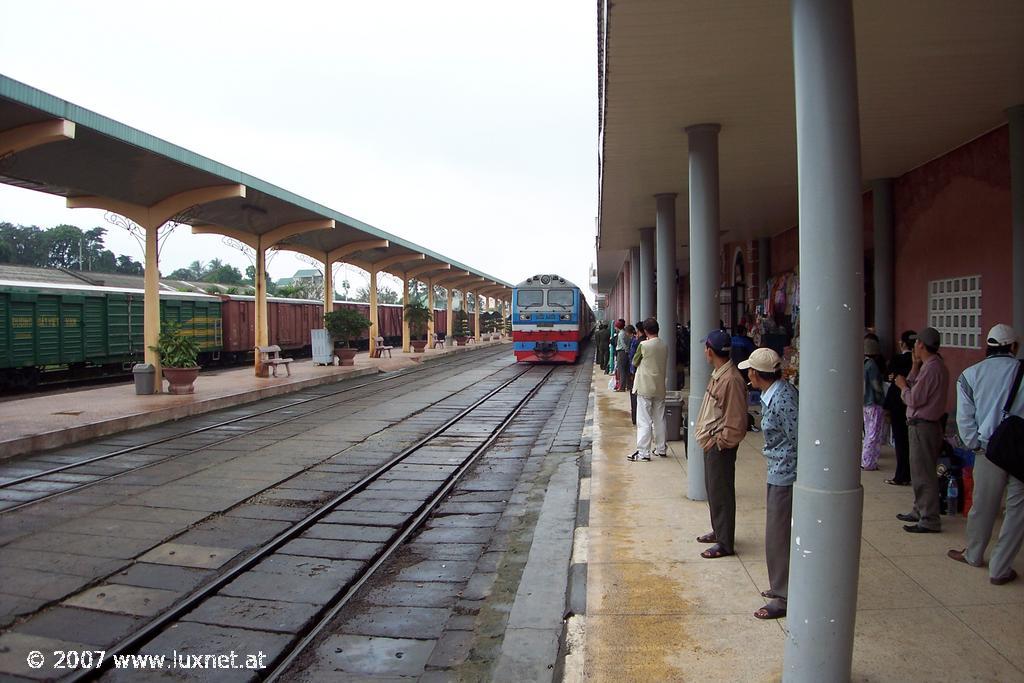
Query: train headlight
524	316
565	316
546	279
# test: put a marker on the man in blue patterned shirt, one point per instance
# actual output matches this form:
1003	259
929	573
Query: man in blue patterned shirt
779	428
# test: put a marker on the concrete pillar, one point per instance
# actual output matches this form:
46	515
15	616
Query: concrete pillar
406	346
647	298
476	315
448	324
262	324
704	280
764	265
634	284
328	285
1016	116
374	326
667	290
151	299
827	496
430	307
885	318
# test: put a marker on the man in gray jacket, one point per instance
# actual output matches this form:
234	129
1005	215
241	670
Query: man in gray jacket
982	391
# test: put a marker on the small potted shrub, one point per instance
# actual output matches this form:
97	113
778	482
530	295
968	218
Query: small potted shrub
344	325
460	326
418	315
178	359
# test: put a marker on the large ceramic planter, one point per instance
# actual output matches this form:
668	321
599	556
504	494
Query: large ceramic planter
461	341
346	356
418	345
181	380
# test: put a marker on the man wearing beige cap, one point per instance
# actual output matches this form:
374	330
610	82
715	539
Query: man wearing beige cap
925	391
982	392
779	427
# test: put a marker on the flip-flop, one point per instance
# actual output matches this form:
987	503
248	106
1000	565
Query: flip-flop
768	594
714	552
770	612
707	538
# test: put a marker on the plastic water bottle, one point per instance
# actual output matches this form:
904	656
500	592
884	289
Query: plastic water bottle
952	493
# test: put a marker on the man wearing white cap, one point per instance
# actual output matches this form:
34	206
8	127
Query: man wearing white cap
982	392
779	427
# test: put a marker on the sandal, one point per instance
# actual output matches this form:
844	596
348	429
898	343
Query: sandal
768	594
770	612
707	538
897	483
714	552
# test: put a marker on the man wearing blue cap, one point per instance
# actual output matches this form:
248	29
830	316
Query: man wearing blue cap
720	427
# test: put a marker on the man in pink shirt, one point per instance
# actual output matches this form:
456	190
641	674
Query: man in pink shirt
925	391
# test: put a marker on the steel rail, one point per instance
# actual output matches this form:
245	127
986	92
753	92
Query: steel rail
190	602
420	516
131	449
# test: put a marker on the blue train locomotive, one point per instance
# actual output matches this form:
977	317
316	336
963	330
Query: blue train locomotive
550	320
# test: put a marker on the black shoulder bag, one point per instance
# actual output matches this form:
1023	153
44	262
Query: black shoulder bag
1006	447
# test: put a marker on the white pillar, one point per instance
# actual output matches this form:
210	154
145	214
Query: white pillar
704	280
647	298
634	285
827	496
668	292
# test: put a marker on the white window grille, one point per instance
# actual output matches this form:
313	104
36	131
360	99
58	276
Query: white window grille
954	309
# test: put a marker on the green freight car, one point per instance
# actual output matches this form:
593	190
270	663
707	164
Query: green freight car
58	331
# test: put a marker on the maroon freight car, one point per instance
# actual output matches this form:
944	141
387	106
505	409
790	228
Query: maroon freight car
290	320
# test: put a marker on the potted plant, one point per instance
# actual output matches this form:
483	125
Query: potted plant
460	326
344	325
417	315
178	355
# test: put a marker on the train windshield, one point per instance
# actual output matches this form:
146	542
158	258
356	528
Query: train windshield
560	297
530	297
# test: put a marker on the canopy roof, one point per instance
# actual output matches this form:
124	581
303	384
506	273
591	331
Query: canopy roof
932	75
111	160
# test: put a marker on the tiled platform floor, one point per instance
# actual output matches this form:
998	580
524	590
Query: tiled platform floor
656	611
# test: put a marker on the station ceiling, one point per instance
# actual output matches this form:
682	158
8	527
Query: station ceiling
932	75
112	160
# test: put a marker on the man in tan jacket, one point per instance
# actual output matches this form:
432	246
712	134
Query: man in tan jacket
720	428
649	387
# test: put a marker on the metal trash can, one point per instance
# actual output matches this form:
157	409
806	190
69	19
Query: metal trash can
673	415
145	378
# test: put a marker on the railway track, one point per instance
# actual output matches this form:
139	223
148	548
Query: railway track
51	477
277	562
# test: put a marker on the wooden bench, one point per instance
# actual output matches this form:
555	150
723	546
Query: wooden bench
380	348
271	355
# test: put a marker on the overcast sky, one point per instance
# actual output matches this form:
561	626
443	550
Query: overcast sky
467	127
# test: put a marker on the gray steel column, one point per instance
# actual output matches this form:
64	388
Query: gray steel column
881	199
667	288
827	497
1016	116
647	298
764	265
634	284
704	281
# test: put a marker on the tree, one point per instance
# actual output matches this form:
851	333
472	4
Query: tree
385	295
222	273
64	246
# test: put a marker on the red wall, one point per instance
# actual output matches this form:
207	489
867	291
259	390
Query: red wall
953	218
